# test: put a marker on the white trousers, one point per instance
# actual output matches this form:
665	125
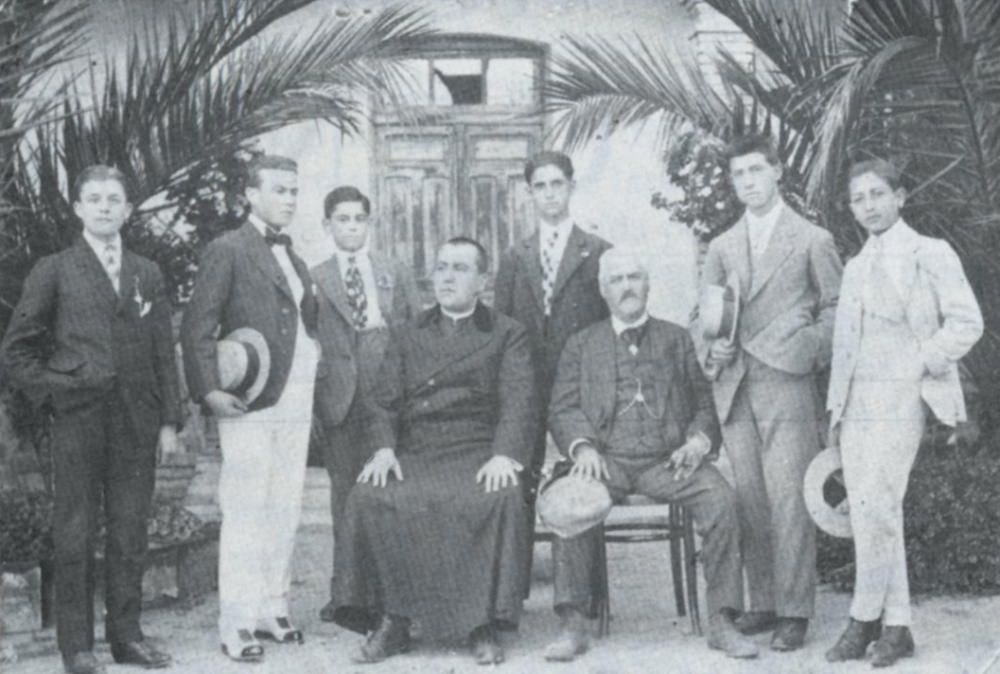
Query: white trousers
879	438
260	495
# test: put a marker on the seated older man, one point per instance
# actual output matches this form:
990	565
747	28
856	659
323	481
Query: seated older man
454	416
632	408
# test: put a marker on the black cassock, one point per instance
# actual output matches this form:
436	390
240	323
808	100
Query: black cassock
435	547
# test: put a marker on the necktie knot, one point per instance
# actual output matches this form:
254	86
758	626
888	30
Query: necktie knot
273	237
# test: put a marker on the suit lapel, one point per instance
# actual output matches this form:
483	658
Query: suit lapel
577	250
331	283
602	373
92	269
128	281
533	266
741	254
261	254
384	284
658	345
780	246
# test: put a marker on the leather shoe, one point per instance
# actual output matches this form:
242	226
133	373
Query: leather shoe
896	642
83	662
723	635
140	653
326	614
756	622
280	630
853	643
789	634
241	646
392	637
572	640
486	646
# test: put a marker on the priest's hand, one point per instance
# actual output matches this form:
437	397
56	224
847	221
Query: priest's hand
688	457
168	444
225	404
589	464
376	471
498	473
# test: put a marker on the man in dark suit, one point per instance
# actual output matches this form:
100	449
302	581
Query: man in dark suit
252	278
361	295
548	281
632	407
453	415
92	335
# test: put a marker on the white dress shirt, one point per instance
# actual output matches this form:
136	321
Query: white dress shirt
895	255
100	249
281	255
373	312
761	227
620	326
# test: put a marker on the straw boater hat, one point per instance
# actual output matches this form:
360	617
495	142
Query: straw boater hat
826	495
244	363
570	505
720	310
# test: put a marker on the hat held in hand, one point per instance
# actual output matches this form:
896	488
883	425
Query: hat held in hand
244	363
826	494
720	310
570	505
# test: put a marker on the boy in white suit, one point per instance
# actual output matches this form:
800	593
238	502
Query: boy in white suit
905	318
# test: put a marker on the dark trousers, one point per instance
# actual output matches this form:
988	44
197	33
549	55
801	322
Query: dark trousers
713	506
96	457
345	449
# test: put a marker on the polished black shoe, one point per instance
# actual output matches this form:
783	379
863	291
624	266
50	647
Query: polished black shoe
83	662
896	642
756	622
486	648
853	643
140	653
326	614
392	637
789	634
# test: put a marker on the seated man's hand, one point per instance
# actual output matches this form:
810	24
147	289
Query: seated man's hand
498	473
688	457
722	352
168	444
936	364
588	463
224	405
376	471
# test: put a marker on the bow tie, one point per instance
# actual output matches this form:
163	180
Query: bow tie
275	238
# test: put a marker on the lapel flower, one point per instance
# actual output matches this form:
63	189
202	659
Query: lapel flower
144	305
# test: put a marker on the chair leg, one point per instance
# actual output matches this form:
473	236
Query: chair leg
691	572
604	601
677	560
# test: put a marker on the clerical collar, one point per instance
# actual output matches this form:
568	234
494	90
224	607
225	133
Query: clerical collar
620	326
457	317
100	245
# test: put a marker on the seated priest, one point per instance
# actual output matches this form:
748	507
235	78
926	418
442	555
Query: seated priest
436	528
632	409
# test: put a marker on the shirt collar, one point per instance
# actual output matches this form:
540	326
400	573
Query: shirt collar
768	219
359	254
100	246
620	326
562	227
260	225
890	238
457	317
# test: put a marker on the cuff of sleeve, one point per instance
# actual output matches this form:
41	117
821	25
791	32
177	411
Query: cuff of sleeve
573	446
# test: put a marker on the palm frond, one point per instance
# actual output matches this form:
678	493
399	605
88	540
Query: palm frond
596	84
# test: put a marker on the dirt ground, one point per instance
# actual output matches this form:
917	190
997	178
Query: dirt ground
953	634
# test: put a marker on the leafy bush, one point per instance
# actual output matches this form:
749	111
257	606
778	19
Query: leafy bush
952	512
25	527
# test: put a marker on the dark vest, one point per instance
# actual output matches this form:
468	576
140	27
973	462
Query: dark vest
636	433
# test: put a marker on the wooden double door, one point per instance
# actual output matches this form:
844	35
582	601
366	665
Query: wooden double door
456	179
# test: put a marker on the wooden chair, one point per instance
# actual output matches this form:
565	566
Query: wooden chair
642	520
